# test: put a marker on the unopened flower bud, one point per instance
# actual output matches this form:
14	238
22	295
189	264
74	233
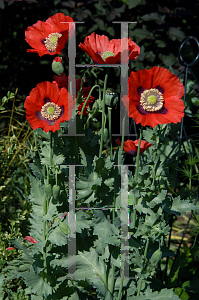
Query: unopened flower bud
57	66
111	98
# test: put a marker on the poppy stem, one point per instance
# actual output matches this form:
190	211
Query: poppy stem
64	54
123	122
121	286
145	254
113	280
44	233
51	148
110	132
136	173
103	117
89	97
138	154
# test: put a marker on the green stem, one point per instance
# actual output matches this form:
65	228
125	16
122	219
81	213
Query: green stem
51	148
35	140
119	297
88	98
76	151
145	254
190	175
110	132
112	265
136	173
123	123
47	200
44	234
103	113
105	273
138	154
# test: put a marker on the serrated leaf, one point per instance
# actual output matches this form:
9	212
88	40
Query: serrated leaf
180	207
52	211
164	294
148	135
103	227
42	133
57	237
159	199
37	192
82	221
37	284
56	159
83	157
93	264
133	3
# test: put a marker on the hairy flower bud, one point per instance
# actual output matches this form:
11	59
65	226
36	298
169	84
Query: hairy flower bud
57	66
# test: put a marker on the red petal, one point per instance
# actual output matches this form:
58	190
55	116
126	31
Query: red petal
30	239
141	78
170	82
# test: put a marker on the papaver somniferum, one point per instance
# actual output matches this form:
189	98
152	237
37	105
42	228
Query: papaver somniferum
47	106
154	97
103	51
48	37
131	147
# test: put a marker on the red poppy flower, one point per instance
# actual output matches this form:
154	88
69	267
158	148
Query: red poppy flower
47	106
30	239
155	97
131	147
103	51
48	37
10	248
90	100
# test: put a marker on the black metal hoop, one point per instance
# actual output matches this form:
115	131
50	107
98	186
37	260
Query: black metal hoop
181	60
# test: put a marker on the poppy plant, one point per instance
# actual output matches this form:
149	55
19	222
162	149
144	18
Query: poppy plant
47	106
131	147
48	37
154	97
103	51
10	248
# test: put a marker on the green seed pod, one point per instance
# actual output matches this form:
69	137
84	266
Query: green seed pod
63	227
111	98
48	190
155	258
56	189
84	194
